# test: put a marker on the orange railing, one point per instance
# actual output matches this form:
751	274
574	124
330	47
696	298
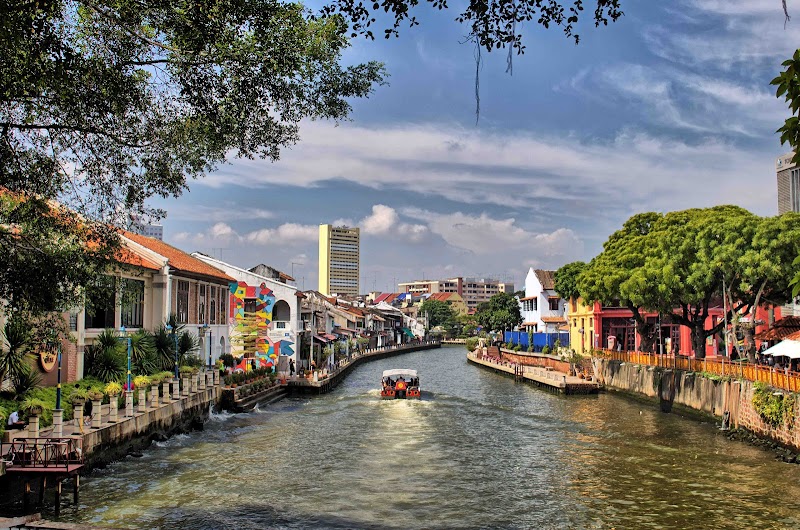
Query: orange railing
777	378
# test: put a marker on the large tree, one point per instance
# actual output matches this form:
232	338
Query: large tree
438	313
501	312
566	280
682	261
105	104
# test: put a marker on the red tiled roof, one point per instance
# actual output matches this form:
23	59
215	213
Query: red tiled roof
179	259
782	329
128	257
382	297
527	298
528	324
551	320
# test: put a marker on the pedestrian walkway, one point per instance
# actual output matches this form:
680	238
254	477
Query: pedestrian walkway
543	377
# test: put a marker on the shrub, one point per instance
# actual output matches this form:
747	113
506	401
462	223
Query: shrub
546	350
31	406
227	360
105	358
471	343
774	408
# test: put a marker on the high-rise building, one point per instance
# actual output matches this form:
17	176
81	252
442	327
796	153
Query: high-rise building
339	259
788	184
788	201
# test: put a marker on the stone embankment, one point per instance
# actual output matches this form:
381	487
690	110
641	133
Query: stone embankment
731	400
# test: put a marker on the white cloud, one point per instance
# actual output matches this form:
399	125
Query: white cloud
484	235
380	221
222	231
285	234
385	222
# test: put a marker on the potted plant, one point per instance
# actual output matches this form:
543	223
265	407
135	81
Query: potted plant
113	389
33	406
95	394
79	397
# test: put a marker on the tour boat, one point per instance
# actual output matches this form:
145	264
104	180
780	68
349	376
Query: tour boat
400	384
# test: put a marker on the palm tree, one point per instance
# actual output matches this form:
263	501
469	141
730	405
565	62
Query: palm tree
14	356
105	358
144	358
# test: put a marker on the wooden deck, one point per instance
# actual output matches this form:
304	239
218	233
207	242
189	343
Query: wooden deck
542	377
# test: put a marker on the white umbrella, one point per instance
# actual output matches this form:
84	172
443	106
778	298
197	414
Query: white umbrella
786	348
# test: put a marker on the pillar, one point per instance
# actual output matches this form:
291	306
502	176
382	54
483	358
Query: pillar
96	413
185	386
58	426
142	408
33	426
77	414
201	382
129	403
113	409
215	375
165	390
154	396
193	383
176	391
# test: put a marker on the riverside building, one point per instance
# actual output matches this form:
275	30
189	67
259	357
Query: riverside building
339	260
474	291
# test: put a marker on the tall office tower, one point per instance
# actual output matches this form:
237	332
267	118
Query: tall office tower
788	201
339	258
788	184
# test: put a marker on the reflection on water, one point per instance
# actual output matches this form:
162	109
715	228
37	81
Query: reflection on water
480	451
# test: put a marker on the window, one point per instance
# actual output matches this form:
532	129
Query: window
535	303
213	308
201	306
223	297
249	305
101	304
554	304
132	294
182	302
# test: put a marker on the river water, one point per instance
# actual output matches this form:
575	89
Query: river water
479	451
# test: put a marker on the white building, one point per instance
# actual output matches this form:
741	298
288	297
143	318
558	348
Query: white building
542	309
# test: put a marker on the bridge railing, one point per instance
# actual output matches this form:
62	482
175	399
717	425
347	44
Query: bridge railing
776	377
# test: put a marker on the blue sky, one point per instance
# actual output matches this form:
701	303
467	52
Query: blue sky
669	108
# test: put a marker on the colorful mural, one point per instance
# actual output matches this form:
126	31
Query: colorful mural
257	324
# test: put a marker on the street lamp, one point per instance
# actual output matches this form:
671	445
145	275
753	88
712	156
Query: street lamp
58	385
124	335
169	328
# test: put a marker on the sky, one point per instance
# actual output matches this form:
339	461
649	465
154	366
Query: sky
666	109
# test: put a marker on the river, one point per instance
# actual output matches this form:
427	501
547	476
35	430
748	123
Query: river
479	451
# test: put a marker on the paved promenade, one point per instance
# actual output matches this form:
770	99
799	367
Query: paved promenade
543	377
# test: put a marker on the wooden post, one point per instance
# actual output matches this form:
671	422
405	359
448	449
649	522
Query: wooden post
76	487
58	497
42	487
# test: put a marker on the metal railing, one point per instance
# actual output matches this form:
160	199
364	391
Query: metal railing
776	377
42	452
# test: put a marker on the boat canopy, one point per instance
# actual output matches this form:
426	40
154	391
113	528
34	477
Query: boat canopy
400	371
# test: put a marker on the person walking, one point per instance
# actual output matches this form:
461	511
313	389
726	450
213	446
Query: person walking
291	367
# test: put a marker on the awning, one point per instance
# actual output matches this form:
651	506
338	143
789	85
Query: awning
786	348
321	339
330	337
408	332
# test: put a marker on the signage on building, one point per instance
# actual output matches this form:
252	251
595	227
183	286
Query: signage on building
47	359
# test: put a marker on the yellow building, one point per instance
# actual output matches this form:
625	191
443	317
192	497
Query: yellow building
339	260
581	325
453	299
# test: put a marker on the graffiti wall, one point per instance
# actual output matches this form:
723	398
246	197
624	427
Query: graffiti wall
252	329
